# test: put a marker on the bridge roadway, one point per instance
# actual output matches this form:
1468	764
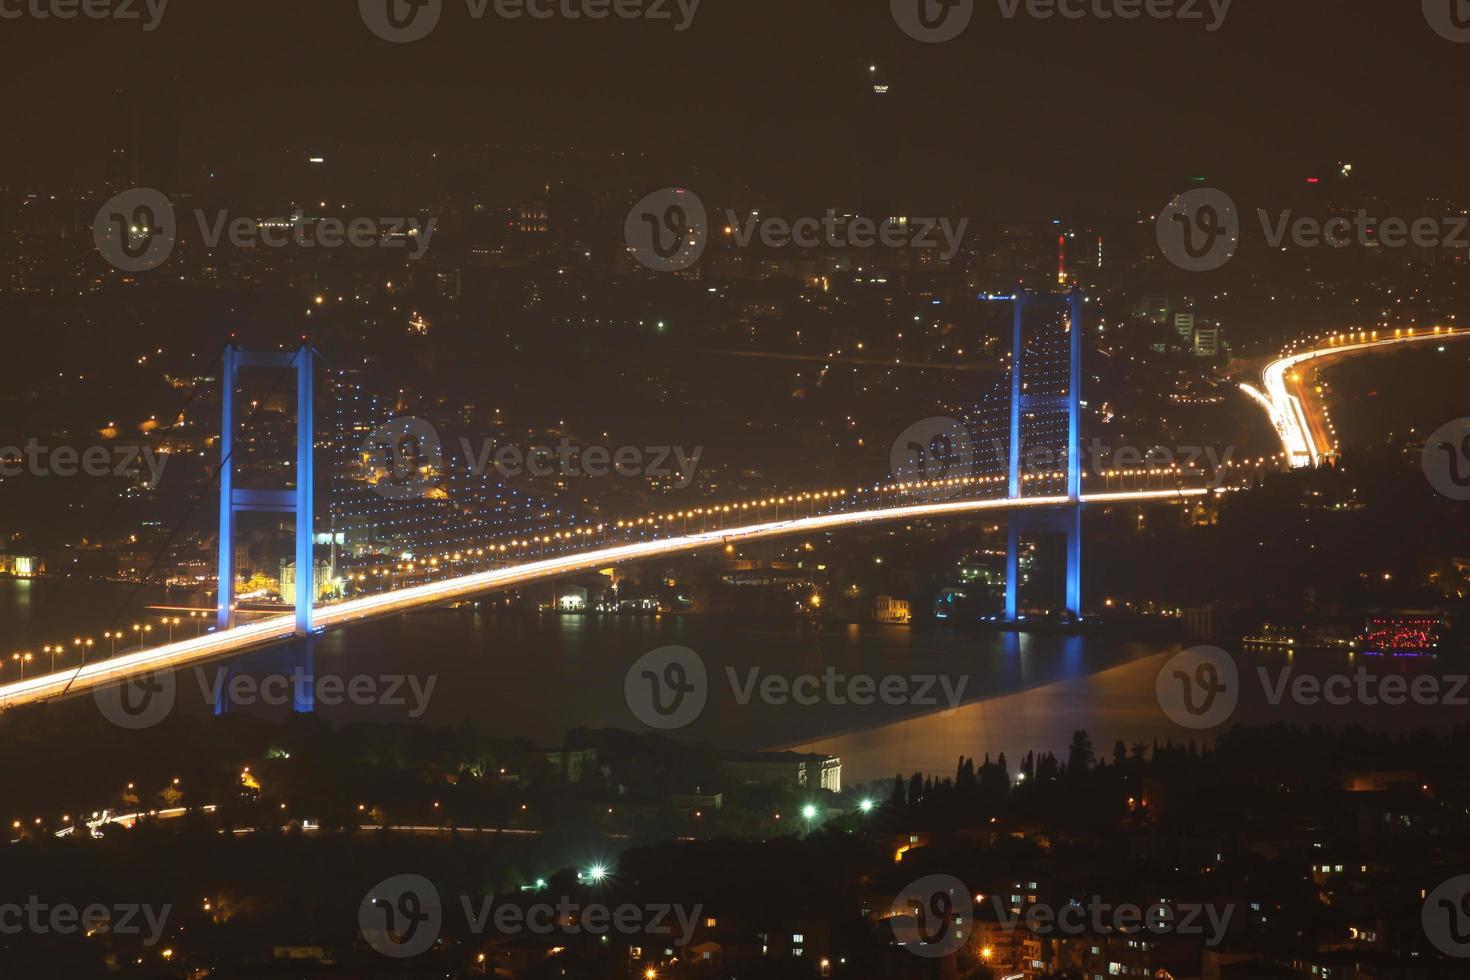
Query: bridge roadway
267	632
1302	433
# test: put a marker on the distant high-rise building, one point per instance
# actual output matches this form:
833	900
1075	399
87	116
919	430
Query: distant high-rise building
877	162
1207	339
533	218
1156	308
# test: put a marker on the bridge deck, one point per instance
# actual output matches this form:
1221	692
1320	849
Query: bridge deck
277	629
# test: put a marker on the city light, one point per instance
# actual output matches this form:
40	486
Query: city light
1086	566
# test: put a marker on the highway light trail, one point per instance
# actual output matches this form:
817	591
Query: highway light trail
1288	414
280	628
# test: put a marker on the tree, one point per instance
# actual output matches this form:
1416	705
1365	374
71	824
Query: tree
1079	754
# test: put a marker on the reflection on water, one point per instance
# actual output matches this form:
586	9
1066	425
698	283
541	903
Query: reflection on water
769	685
1120	703
539	676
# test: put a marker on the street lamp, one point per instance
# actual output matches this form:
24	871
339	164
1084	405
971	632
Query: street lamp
23	658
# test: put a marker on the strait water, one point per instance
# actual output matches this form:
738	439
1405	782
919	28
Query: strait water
538	676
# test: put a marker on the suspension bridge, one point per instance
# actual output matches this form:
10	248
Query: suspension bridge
1039	404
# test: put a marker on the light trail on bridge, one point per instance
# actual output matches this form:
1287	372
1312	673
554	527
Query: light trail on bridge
267	632
1291	418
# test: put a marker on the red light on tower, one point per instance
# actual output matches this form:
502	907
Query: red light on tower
1314	180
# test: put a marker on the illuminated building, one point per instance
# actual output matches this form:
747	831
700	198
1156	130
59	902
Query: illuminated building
21	566
887	609
786	768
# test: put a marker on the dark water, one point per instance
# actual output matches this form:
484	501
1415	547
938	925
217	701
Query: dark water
538	676
35	612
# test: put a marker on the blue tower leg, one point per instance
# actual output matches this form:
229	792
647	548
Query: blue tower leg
304	688
222	693
1073	517
1013	567
305	481
1074	561
1074	400
1017	359
296	663
226	589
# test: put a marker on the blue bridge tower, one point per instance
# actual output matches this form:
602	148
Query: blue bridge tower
1048	403
299	501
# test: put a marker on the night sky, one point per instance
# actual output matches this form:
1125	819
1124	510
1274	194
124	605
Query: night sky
768	94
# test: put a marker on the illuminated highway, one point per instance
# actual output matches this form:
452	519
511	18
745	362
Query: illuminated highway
276	629
1304	438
